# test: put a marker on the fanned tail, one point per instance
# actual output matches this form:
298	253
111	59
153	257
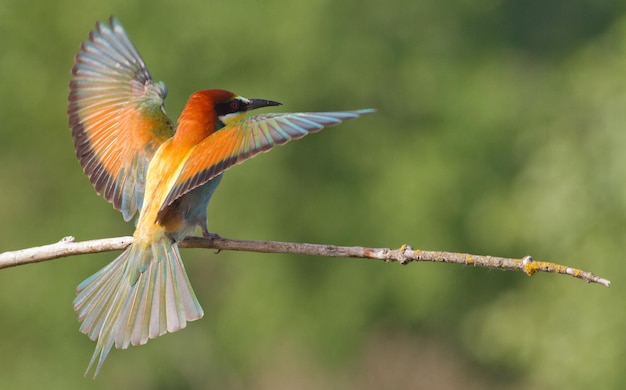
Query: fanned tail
142	294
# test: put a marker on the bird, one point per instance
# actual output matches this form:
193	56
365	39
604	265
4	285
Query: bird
161	172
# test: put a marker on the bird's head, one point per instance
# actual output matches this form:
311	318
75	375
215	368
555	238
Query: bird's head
230	108
209	110
213	109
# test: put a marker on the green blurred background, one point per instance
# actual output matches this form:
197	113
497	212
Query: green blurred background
500	130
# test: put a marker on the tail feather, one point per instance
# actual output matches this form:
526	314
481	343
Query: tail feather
97	291
144	293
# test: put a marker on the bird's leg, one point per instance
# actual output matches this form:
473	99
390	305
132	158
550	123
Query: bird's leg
209	235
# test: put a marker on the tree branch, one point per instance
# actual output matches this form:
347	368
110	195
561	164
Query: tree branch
403	255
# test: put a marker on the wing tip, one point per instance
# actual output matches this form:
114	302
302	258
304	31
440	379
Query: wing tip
365	111
112	23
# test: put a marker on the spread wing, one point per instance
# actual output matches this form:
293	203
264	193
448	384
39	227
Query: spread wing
238	142
116	116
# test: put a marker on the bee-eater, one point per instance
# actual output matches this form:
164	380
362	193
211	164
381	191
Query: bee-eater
140	162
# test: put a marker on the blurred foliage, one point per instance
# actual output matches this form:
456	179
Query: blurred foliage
500	130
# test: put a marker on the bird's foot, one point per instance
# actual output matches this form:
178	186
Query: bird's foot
211	236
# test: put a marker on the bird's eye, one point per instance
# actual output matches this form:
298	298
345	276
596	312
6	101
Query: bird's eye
230	107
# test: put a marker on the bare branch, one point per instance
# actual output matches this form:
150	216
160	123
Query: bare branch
404	255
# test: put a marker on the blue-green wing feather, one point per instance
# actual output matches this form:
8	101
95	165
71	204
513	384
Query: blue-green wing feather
236	143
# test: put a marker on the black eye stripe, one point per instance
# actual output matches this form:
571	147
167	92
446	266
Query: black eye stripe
226	108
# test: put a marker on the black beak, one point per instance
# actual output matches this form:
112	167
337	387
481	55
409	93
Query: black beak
258	103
